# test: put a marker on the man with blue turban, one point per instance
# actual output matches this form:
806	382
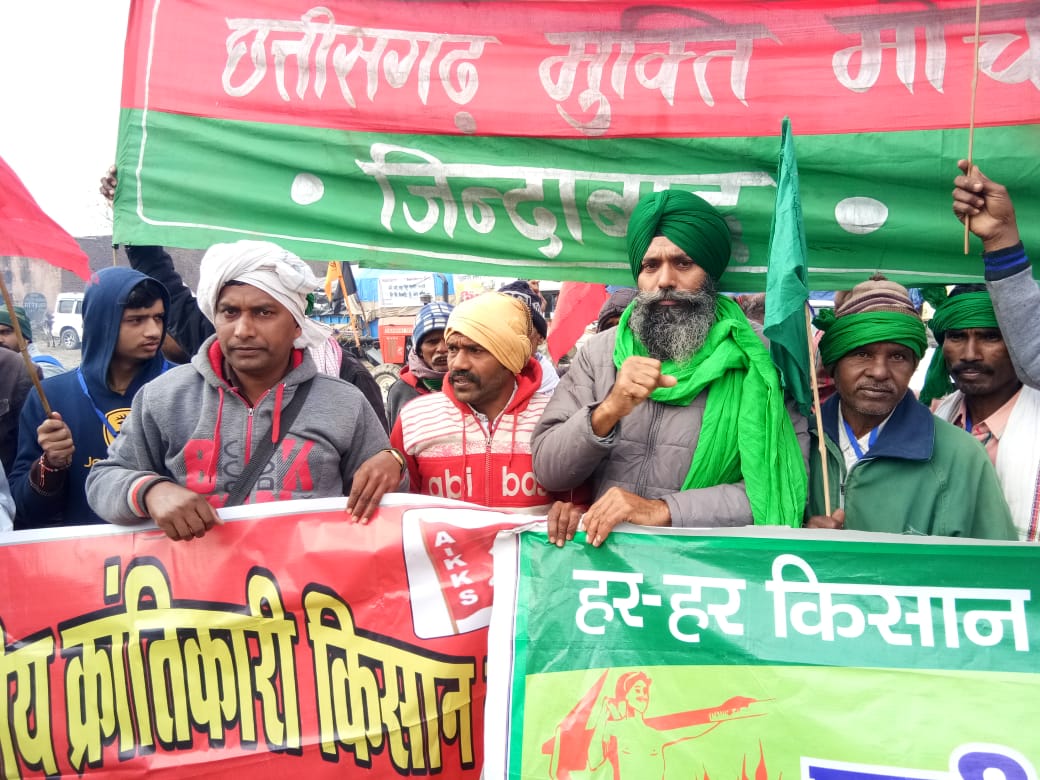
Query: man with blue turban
676	416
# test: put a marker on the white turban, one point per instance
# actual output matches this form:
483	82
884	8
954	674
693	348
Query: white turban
268	267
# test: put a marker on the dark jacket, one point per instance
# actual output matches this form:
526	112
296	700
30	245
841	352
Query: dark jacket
15	384
190	327
401	392
81	409
923	476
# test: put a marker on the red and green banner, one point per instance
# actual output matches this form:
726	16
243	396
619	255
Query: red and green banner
515	137
713	655
292	644
289	642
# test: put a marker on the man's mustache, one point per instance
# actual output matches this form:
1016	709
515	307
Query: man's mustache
965	365
466	375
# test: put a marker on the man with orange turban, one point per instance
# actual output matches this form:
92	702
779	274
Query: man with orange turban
473	440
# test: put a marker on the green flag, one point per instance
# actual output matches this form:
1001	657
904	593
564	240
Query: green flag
787	280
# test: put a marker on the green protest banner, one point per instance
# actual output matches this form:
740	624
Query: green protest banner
740	654
514	138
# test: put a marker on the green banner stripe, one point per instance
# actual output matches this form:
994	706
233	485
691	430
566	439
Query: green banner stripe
686	602
552	209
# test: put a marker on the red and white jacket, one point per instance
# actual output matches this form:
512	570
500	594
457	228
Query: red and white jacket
450	455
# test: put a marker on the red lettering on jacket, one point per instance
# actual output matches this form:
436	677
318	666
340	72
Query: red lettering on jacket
298	473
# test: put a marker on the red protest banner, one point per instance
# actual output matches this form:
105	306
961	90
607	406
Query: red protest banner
515	138
294	644
632	68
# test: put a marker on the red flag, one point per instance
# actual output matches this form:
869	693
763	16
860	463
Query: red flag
25	231
578	305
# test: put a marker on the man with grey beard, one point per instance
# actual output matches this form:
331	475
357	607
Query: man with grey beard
675	417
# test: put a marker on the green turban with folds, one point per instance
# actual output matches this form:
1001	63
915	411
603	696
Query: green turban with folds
846	333
968	310
690	222
23	321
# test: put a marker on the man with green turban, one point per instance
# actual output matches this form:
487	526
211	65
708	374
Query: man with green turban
890	464
49	366
986	398
675	417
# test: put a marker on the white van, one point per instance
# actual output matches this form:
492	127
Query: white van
67	325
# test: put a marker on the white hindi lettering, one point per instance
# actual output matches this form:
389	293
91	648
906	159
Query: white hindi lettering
682	605
528	206
656	56
624	605
903	28
818	613
346	45
1026	66
691	602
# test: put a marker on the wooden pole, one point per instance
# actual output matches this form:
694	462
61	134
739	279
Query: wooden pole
971	117
23	347
816	413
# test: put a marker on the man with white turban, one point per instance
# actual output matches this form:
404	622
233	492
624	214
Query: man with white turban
186	325
186	447
473	440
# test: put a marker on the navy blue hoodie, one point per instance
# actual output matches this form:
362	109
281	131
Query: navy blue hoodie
103	307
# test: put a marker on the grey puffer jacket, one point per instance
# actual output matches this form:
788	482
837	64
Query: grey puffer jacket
648	453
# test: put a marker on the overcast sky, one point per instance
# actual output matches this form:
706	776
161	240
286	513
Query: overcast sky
59	102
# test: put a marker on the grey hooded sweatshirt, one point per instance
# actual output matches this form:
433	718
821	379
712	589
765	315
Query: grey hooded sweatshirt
192	427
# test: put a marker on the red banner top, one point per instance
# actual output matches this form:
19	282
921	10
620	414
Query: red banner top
584	69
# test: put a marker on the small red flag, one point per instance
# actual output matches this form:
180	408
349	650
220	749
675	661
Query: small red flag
25	231
578	305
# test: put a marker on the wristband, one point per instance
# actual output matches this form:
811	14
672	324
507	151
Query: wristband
399	457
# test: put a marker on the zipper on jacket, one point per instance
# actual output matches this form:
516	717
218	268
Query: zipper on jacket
656	411
492	427
249	433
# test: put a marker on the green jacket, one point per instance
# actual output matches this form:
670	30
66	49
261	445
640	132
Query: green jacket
922	476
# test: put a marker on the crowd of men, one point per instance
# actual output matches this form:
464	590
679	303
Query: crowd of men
672	414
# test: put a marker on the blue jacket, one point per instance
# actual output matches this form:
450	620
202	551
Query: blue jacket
103	307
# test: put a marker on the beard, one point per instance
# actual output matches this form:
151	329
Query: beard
674	332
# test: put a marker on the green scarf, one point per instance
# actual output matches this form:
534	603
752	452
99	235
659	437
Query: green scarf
746	432
844	334
969	310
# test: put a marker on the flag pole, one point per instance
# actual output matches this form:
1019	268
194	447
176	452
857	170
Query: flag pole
816	413
350	311
971	117
23	347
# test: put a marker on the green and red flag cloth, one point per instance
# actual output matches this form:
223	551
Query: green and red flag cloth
26	231
742	653
514	138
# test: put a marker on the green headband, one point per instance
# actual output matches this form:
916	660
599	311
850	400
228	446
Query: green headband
688	221
970	310
844	334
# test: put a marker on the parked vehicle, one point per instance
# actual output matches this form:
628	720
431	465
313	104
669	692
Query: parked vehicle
67	325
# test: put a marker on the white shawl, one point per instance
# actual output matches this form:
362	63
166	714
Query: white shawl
1018	458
